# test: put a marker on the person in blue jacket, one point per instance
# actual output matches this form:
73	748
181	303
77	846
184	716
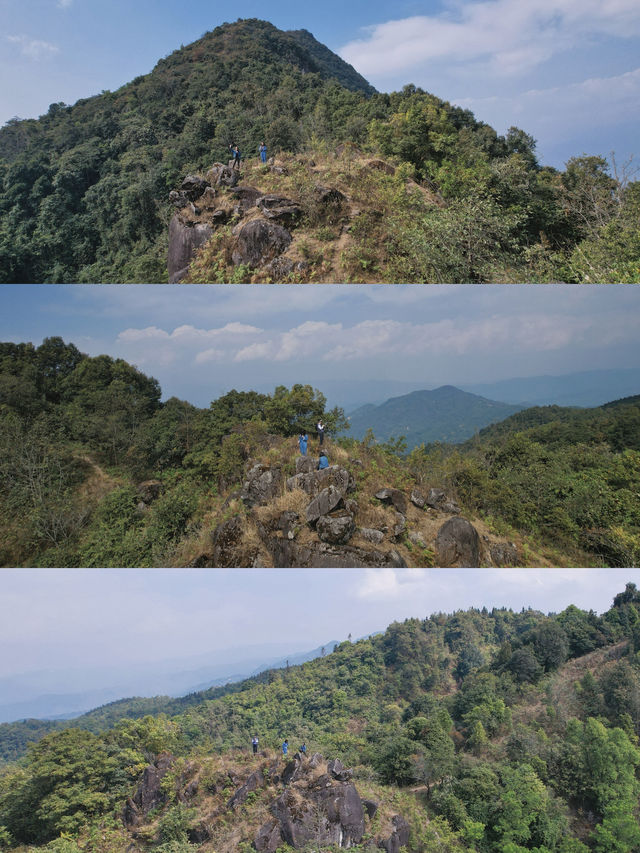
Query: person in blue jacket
323	462
303	438
262	148
285	747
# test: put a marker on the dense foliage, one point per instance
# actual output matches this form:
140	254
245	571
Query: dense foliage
77	432
570	475
519	729
85	187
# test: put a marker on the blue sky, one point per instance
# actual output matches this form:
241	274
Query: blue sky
126	617
201	341
566	71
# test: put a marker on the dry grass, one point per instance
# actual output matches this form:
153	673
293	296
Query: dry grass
294	501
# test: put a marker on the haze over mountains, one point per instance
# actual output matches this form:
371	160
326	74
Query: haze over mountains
56	694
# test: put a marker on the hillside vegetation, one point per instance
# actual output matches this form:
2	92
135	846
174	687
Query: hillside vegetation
97	471
85	188
488	731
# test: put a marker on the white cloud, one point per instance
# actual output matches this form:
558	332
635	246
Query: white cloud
34	48
509	37
565	110
64	4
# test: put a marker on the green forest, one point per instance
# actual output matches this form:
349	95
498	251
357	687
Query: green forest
488	730
80	437
85	187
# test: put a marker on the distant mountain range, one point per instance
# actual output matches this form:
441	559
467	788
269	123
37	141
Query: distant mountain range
445	414
32	698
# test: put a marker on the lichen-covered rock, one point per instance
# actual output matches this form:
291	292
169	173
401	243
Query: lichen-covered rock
503	554
246	197
221	175
255	781
437	499
371	535
193	187
280	208
337	530
305	464
149	793
418	499
315	481
262	484
327	500
458	544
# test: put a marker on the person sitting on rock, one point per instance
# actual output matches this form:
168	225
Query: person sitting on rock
303	438
285	747
303	749
262	150
323	462
236	157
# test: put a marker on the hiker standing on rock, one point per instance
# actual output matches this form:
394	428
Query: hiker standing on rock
262	150
303	438
236	157
320	431
285	748
254	744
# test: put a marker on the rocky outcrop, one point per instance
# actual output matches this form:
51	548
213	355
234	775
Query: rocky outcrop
313	810
399	837
458	544
336	530
259	241
262	484
184	240
281	209
503	554
327	500
225	540
314	482
149	794
320	555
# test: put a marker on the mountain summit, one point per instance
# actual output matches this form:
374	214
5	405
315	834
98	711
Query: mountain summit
444	414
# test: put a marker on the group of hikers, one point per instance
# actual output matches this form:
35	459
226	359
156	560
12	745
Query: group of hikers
236	156
285	746
303	440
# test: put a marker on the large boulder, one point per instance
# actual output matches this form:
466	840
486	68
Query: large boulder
193	187
315	481
336	530
246	197
279	208
184	241
305	464
255	781
288	554
327	500
262	484
221	175
260	241
394	497
458	544
321	814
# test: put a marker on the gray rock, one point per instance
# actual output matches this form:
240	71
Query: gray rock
178	199
399	524
370	807
417	539
504	554
437	499
351	506
221	175
418	499
149	793
371	535
225	540
395	497
305	464
262	484
268	838
336	530
458	544
255	781
337	769
288	523
184	241
323	503
287	554
279	208
193	187
246	197
399	838
260	241
328	196
314	482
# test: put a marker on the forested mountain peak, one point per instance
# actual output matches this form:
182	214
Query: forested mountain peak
85	187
